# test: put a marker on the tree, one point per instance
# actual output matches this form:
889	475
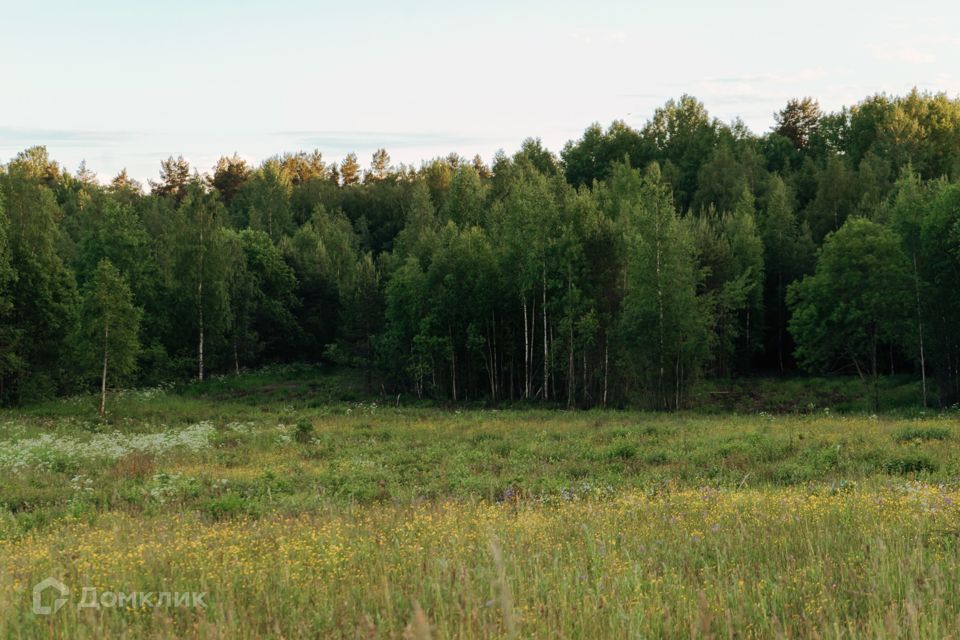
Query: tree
593	156
174	177
10	360
858	298
466	198
263	202
731	255
84	175
109	326
302	167
798	121
229	176
43	293
361	317
721	181
910	204
683	135
349	170
125	187
836	197
35	165
261	288
788	254
199	268
418	236
664	327
324	254
379	165
940	269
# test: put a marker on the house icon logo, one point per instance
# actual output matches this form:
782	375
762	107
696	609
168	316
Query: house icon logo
60	598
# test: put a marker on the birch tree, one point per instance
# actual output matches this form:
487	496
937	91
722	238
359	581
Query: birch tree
199	268
109	327
664	327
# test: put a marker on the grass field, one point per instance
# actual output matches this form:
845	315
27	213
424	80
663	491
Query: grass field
296	513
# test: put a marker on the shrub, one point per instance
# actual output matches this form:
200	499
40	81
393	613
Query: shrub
228	506
624	451
911	434
303	433
656	458
134	466
903	465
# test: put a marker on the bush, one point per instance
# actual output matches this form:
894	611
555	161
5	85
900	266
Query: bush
303	432
910	464
911	434
228	506
623	452
134	466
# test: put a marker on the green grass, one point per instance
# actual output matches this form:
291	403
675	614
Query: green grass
899	394
299	456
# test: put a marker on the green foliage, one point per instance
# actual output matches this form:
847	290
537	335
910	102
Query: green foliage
304	431
921	434
43	294
858	299
663	333
533	278
108	338
910	464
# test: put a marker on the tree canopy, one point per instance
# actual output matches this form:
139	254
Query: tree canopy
620	271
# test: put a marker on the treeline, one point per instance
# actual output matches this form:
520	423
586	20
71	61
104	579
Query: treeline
617	272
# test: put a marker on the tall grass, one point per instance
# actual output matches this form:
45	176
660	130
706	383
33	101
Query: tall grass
680	563
302	517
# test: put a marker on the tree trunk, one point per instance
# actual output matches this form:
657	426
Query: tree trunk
923	364
586	388
780	303
606	367
495	355
546	345
453	367
200	348
875	373
571	377
103	378
660	312
526	352
200	304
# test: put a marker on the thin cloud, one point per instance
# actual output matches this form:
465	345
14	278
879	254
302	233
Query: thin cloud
910	55
804	75
588	39
16	137
334	140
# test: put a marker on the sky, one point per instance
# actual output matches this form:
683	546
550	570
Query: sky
127	83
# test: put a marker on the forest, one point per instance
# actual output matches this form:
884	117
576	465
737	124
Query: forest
617	272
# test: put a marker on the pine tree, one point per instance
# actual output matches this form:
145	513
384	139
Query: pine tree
798	121
229	176
349	170
379	166
174	178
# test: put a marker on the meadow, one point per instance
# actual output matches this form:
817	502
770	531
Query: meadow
299	509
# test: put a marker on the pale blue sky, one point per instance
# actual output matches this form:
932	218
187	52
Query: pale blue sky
126	83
